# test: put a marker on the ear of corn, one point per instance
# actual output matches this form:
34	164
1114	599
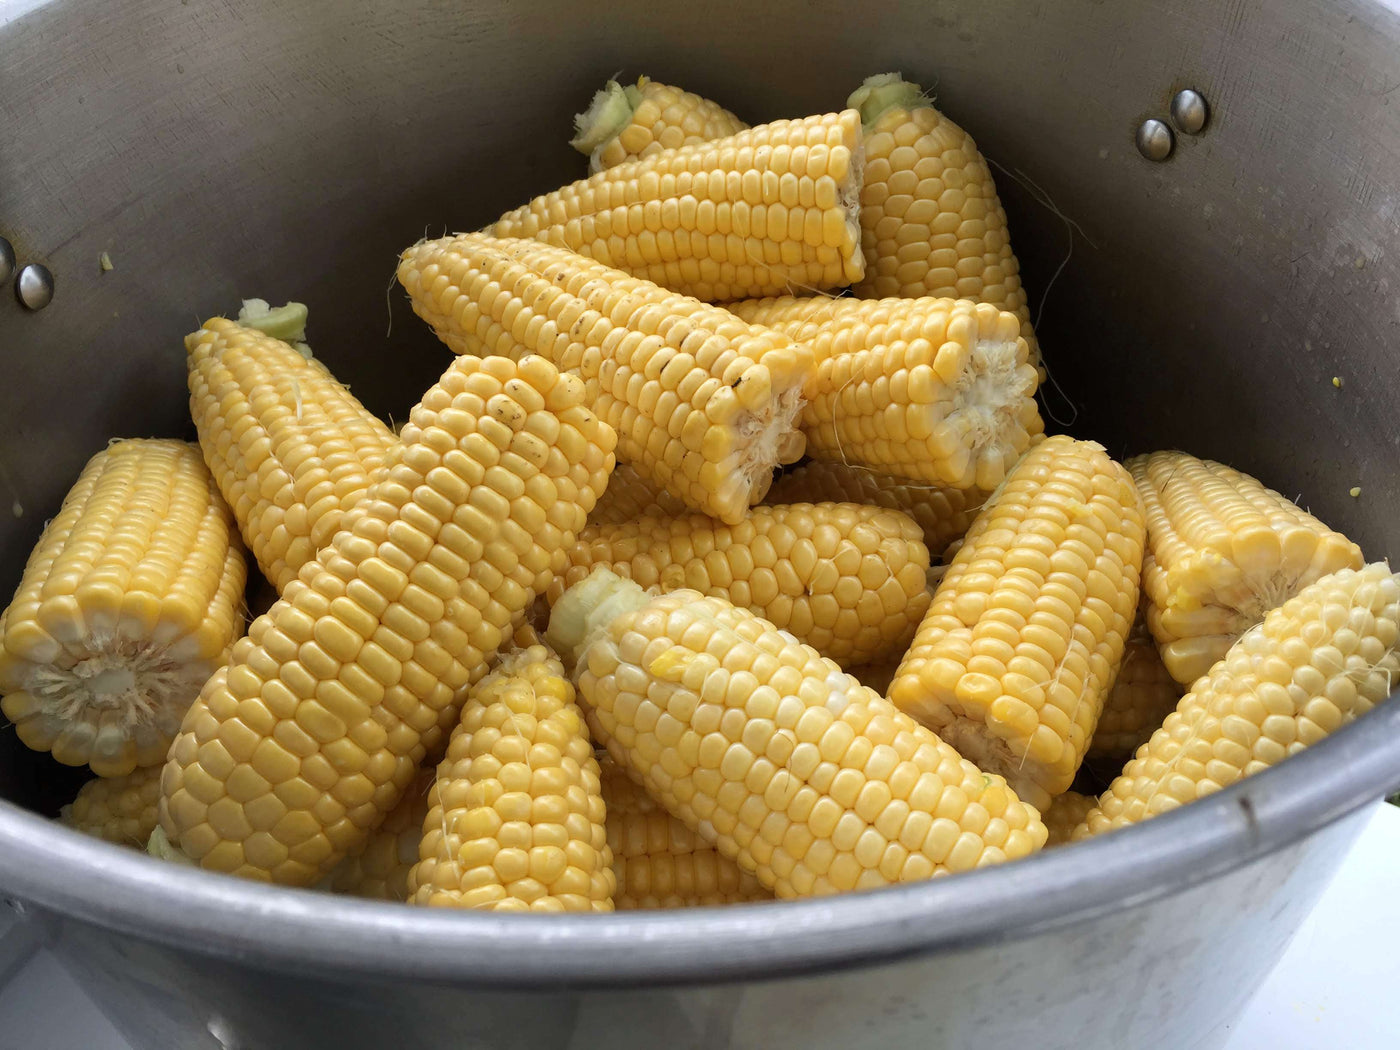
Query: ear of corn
661	863
291	448
1015	655
1143	694
1224	550
1323	658
118	809
128	602
1065	814
297	751
768	210
515	819
633	122
936	390
931	221
849	580
944	514
379	869
702	403
760	745
630	496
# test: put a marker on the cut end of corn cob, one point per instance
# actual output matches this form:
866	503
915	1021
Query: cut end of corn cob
1224	550
118	809
516	814
607	114
632	122
287	323
885	91
1323	658
160	847
1143	694
129	601
1065	814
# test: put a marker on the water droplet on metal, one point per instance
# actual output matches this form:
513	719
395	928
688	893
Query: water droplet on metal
34	287
1154	140
1189	112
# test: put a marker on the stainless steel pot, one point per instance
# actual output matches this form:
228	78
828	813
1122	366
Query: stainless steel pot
219	151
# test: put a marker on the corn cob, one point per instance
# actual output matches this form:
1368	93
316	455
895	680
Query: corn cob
1326	656
633	122
291	448
849	580
1015	655
758	743
1064	815
379	869
118	809
935	390
702	403
944	514
515	819
128	602
1143	694
295	753
769	210
661	863
630	496
1224	550
930	219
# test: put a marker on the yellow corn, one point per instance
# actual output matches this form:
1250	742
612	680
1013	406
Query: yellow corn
630	496
849	580
515	819
632	122
1224	550
944	514
1065	814
935	390
379	869
931	222
1143	694
702	403
295	753
1015	655
1324	657
758	743
128	602
769	210
661	863
118	809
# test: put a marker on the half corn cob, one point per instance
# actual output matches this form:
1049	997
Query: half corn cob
661	863
1143	694
1224	550
702	403
128	602
291	448
515	819
295	753
630	496
118	809
762	746
379	869
1019	648
944	514
633	122
936	390
1065	814
930	219
769	210
1323	658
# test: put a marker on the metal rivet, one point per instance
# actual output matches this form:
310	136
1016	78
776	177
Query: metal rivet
1154	140
7	260
1189	112
34	286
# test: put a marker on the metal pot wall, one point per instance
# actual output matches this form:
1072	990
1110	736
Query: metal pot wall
220	151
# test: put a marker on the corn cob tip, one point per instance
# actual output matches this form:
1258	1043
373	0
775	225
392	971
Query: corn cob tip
588	607
160	847
287	322
882	92
605	117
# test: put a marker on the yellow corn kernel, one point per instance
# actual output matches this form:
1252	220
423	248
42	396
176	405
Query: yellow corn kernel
1143	694
632	122
118	809
128	602
291	448
762	746
1223	551
849	580
515	819
1324	657
703	404
630	496
379	869
292	756
1064	815
930	219
936	390
768	210
1015	655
